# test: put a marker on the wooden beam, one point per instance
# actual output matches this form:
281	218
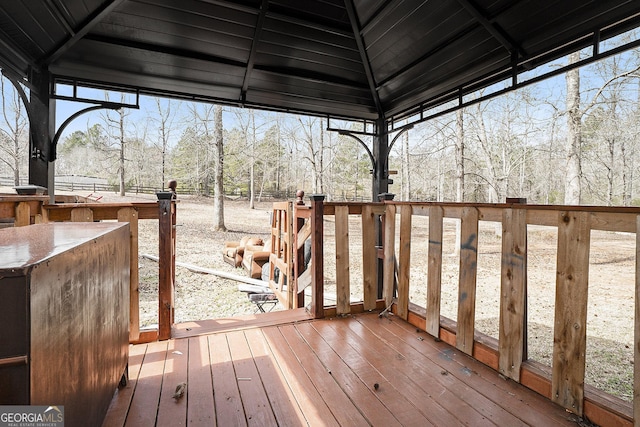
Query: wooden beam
513	292
101	211
570	322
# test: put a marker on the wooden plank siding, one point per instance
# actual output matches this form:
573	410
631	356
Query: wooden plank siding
346	371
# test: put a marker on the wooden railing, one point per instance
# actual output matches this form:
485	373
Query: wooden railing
25	210
391	263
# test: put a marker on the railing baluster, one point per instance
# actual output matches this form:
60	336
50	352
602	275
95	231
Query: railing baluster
404	264
388	279
23	214
369	258
343	294
434	273
130	215
570	322
636	347
81	215
317	255
513	292
467	279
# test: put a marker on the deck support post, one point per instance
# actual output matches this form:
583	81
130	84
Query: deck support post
317	255
166	285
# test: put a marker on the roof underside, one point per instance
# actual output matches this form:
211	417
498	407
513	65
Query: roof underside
361	59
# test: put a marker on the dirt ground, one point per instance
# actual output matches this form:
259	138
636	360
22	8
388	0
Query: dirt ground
611	288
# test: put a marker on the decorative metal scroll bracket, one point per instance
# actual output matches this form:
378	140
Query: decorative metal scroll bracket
102	105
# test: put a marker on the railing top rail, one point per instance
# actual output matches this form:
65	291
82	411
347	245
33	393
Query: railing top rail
62	211
99	205
575	208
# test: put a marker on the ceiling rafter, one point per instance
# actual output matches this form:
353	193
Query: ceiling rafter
84	29
254	47
353	18
57	13
493	29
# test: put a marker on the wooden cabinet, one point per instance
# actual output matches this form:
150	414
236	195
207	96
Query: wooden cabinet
64	310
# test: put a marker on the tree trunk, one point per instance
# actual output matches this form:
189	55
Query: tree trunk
252	165
459	156
459	173
573	185
218	190
122	158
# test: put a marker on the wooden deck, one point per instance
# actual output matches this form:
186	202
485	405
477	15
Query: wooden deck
352	371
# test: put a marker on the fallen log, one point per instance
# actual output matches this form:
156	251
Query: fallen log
203	270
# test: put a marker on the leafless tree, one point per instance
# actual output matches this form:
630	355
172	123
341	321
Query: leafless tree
573	180
13	137
116	129
218	174
166	126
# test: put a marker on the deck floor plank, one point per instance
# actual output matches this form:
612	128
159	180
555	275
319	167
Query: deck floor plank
200	405
173	411
285	408
362	395
392	399
144	405
528	405
466	399
119	407
356	370
257	408
315	410
384	360
214	326
346	413
229	409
